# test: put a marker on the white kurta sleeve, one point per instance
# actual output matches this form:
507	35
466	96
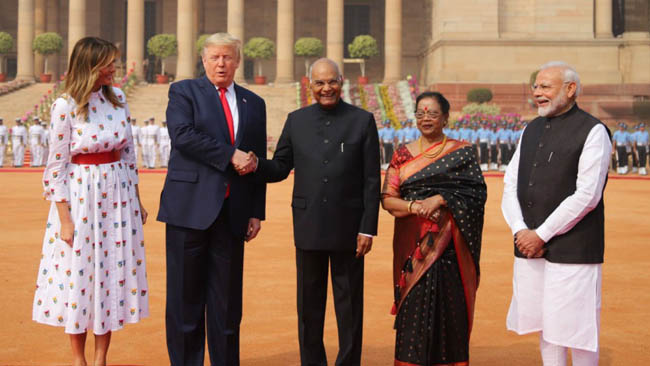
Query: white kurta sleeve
510	202
593	166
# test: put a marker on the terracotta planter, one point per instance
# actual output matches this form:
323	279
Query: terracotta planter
304	80
363	80
260	80
162	79
46	78
3	76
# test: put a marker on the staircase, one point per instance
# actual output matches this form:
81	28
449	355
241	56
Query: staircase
151	101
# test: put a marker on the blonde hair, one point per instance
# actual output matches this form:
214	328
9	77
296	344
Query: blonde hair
89	56
223	39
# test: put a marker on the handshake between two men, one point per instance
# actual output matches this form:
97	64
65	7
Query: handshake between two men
244	163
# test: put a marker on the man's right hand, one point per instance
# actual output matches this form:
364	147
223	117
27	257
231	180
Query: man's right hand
244	163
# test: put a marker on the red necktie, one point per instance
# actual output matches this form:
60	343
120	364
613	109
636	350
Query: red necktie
226	110
231	127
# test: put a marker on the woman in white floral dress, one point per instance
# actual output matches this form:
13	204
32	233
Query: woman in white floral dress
92	273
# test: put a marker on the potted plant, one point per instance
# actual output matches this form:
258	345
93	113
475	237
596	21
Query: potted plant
6	44
46	44
259	48
162	46
308	47
363	47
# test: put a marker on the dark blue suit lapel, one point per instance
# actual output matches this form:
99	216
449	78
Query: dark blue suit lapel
242	108
213	102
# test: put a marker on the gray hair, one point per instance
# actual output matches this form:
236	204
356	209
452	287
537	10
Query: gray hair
570	74
339	77
223	39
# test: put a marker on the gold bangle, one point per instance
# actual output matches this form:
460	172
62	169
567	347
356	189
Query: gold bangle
410	205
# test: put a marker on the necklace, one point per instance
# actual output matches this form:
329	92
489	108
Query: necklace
435	152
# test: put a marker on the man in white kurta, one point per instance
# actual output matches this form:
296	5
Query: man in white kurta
18	141
4	138
555	291
36	143
164	144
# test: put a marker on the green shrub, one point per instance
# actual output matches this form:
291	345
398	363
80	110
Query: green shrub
365	47
308	47
201	42
479	95
162	46
47	44
6	44
259	48
484	108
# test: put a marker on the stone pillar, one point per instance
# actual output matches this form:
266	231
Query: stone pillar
39	27
335	31
284	62
76	23
236	28
24	40
604	19
195	29
135	37
184	32
52	21
393	41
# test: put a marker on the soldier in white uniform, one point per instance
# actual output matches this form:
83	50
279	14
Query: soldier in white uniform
164	144
143	143
18	140
150	134
4	138
135	132
45	141
36	142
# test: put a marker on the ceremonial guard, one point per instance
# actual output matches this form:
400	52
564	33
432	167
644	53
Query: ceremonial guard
18	140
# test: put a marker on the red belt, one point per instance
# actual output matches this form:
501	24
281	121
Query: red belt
97	158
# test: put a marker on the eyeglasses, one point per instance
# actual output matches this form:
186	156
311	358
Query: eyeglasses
422	114
546	87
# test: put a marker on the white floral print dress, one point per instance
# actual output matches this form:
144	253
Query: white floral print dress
100	282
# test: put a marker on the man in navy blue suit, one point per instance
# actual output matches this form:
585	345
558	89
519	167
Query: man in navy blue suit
209	209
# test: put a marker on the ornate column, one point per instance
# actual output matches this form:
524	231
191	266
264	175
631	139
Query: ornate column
284	61
393	41
604	19
236	28
184	32
135	37
76	23
39	27
52	25
335	31
24	40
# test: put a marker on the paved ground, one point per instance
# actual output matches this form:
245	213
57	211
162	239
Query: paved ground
269	329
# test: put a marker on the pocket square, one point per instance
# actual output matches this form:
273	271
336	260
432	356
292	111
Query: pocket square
243	100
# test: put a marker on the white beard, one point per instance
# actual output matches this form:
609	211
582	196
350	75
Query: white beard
554	106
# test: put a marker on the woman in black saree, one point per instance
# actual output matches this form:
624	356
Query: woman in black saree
435	190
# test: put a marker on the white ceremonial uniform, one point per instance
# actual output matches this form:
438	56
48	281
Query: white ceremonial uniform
46	143
561	300
4	138
136	132
164	145
150	135
36	144
18	140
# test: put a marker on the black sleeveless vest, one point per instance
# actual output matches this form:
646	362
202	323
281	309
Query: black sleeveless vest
548	168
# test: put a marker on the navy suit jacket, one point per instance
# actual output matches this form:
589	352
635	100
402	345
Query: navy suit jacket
199	167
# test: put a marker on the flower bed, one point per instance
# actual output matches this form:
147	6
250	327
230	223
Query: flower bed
14	85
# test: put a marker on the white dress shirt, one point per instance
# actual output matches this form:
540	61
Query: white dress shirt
231	97
593	166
